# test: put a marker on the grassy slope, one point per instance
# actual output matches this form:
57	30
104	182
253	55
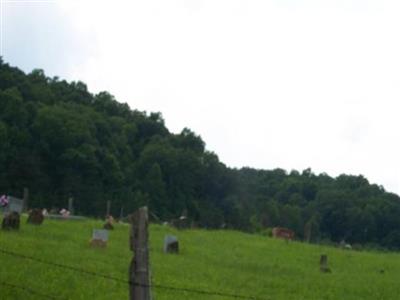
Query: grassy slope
222	261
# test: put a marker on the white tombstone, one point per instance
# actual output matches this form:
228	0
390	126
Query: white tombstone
14	204
100	234
170	240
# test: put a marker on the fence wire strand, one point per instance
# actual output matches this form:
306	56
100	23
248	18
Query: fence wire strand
156	286
31	291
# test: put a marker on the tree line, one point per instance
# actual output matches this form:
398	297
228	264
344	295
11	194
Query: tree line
61	141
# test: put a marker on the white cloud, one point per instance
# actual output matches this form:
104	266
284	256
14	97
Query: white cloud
290	84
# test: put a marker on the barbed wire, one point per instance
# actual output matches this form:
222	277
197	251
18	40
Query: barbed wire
156	286
62	266
30	290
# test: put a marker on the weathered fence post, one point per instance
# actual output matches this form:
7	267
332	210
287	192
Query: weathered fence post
26	199
139	271
108	208
71	205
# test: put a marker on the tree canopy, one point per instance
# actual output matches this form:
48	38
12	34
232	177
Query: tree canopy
61	141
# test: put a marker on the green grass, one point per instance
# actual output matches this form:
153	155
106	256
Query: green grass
221	261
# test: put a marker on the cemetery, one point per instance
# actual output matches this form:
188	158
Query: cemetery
148	257
210	229
90	259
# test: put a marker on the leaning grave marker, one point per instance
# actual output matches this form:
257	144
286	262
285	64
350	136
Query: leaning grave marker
99	238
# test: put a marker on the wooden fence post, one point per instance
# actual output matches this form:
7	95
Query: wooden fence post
139	271
26	199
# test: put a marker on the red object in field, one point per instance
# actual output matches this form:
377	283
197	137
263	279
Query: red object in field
282	233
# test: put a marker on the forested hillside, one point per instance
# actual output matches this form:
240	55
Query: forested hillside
61	141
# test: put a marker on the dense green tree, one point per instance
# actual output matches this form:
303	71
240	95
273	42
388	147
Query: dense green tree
154	186
61	141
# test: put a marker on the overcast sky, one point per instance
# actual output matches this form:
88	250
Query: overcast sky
272	83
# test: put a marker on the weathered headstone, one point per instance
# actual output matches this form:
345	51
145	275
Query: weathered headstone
99	238
14	205
100	234
181	223
323	264
109	223
36	217
108	226
171	244
11	221
65	213
282	233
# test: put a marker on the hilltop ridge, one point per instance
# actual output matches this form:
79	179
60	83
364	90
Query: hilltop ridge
61	141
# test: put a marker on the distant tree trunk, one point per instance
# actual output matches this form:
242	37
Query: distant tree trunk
108	208
71	205
26	199
307	231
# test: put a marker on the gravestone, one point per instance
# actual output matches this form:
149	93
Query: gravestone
282	233
171	244
11	221
12	213
181	223
36	217
99	238
323	264
14	205
108	226
109	223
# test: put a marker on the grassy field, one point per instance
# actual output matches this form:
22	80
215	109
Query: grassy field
219	261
